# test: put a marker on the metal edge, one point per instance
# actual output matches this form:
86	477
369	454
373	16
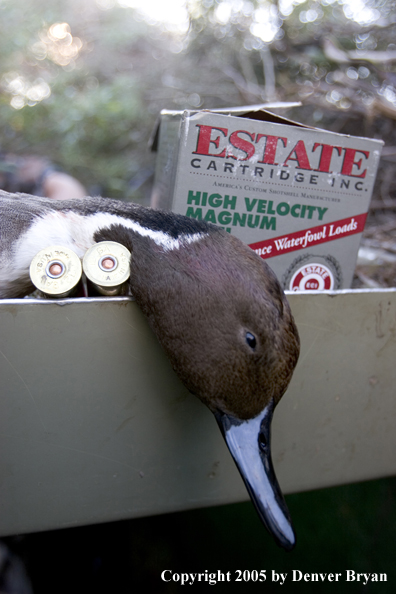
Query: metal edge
129	298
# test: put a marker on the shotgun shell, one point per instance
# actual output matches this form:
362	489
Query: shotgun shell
56	271
106	265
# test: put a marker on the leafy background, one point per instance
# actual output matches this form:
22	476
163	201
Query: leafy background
83	81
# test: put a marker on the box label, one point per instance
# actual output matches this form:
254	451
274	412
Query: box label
284	189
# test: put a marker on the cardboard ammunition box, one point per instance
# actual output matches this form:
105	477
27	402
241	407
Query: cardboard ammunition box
298	196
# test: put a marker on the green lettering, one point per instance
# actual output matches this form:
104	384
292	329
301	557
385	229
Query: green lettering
295	210
193	198
239	219
215	200
270	210
194	213
268	223
231	202
262	206
253	223
250	204
283	209
210	217
321	212
224	217
311	210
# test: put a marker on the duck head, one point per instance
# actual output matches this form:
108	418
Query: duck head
226	326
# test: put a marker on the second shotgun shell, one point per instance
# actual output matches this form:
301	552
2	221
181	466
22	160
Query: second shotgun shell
106	265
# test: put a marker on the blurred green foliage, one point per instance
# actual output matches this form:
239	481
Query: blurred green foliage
83	82
94	122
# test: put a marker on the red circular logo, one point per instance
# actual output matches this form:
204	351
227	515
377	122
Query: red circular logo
312	277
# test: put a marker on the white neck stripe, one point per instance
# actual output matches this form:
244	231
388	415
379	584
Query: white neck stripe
161	238
76	232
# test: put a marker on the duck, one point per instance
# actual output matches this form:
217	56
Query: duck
214	305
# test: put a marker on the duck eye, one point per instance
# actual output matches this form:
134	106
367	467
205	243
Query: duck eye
251	340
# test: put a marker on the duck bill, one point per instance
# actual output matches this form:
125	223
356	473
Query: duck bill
249	444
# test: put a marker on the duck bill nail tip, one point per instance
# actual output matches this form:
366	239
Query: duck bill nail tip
249	444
